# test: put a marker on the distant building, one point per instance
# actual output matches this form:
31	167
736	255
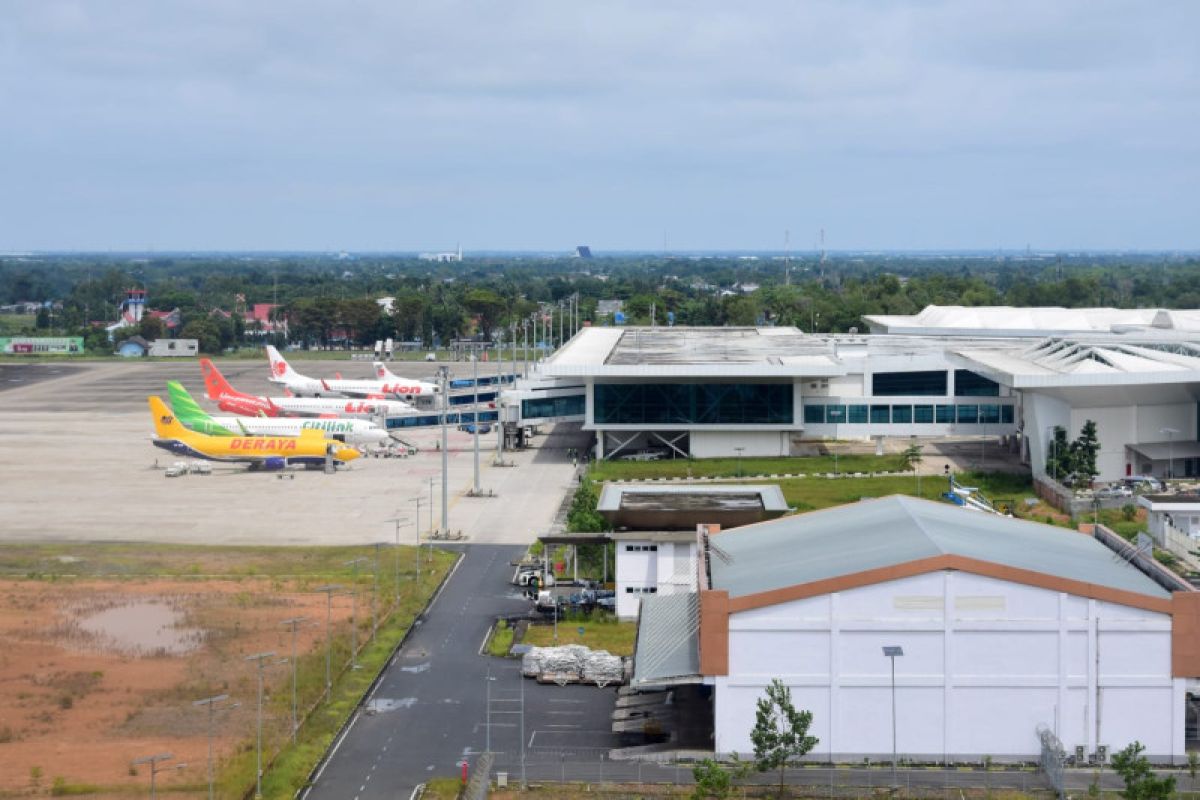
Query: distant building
443	257
582	251
606	308
181	348
41	345
133	347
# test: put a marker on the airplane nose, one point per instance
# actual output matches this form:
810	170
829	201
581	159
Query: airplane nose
346	454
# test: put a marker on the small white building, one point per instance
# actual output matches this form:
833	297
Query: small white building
1172	513
1005	627
656	536
174	347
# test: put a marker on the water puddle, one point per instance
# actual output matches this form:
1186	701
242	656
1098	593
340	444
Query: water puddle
383	704
417	668
142	628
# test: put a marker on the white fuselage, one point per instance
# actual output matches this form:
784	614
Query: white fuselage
351	431
343	407
310	387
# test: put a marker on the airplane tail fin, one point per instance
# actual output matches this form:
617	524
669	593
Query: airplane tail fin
215	385
382	372
165	423
184	406
280	368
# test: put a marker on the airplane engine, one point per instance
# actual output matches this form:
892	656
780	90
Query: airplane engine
275	463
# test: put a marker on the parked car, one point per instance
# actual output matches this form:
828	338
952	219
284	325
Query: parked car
644	455
1143	483
1116	490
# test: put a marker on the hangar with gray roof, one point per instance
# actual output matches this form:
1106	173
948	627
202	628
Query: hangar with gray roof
1004	627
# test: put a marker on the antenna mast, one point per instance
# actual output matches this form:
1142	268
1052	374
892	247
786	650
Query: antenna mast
787	258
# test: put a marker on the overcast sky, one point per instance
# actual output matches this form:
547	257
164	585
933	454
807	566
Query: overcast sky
227	124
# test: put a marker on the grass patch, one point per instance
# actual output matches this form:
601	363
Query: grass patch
501	639
810	494
602	633
442	788
729	467
288	770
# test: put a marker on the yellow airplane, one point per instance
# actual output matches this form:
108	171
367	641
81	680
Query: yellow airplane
260	452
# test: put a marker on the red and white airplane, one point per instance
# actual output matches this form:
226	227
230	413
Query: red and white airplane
282	372
229	399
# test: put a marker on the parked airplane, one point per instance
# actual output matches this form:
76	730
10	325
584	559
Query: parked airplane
229	399
282	372
260	452
350	431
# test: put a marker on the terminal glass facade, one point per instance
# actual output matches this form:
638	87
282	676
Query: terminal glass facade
694	404
571	406
930	383
968	384
904	414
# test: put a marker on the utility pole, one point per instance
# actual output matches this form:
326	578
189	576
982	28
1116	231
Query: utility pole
375	594
445	374
417	527
397	520
154	768
211	702
294	624
353	564
261	659
475	415
329	590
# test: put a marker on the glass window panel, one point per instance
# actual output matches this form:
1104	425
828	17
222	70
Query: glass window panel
989	415
857	414
892	384
902	414
835	414
571	406
968	415
968	384
881	414
1006	414
814	414
945	415
694	403
922	413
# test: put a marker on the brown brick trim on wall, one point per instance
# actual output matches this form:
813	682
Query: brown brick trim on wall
923	566
714	632
1185	635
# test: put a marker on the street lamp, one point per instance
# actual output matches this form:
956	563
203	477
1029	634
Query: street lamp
739	451
892	652
398	520
1053	430
329	590
211	702
444	374
261	659
154	768
294	624
353	564
1170	432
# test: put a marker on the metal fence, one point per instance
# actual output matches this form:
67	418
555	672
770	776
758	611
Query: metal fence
1053	758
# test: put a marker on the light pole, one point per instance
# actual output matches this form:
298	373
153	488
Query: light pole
329	590
154	768
375	594
353	564
739	451
211	702
294	624
261	658
1170	432
892	652
488	746
475	415
1053	429
444	374
398	520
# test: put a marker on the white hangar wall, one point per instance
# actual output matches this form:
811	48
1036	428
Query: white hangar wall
985	662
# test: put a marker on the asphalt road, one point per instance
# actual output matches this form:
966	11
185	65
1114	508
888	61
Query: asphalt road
431	700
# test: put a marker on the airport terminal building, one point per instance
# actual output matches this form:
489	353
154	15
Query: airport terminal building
1011	374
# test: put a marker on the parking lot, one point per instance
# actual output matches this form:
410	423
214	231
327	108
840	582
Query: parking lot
81	466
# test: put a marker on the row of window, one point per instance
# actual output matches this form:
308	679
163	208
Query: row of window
932	383
987	414
641	548
641	590
569	406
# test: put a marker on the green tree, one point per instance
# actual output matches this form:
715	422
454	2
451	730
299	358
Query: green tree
205	332
1140	781
151	328
911	458
780	733
712	780
1087	446
583	516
